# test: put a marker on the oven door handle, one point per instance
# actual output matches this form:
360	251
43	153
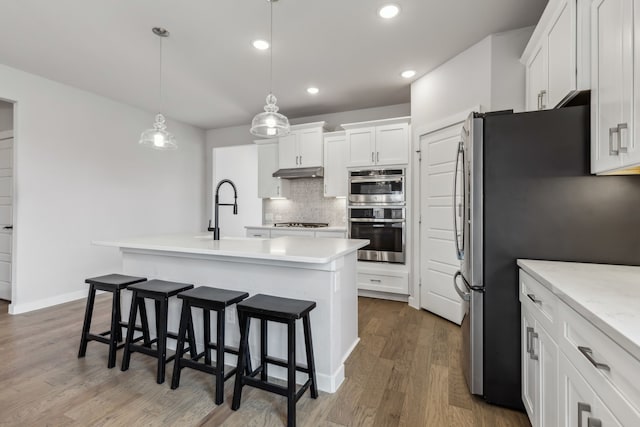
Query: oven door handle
376	220
378	179
466	296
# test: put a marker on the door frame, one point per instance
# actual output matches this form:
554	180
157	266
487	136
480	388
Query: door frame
418	132
4	135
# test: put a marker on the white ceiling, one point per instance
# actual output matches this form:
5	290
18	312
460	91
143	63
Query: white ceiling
213	77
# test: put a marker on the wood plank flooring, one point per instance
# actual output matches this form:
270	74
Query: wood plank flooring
405	372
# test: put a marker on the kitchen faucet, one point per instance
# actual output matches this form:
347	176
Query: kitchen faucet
216	228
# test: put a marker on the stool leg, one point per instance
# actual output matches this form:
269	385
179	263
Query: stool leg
161	321
263	349
144	320
291	373
119	312
306	323
185	318
86	326
132	321
206	315
220	357
193	351
157	308
247	365
115	327
242	352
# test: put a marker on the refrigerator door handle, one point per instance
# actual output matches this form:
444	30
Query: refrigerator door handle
456	235
466	296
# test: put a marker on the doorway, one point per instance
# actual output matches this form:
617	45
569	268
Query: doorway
6	198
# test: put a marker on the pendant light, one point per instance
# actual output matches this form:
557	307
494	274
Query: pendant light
158	137
270	123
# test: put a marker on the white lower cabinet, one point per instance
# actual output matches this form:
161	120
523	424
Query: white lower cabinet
573	375
381	277
272	232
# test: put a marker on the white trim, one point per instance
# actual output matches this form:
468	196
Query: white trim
392	121
15	308
382	295
6	134
445	122
415	301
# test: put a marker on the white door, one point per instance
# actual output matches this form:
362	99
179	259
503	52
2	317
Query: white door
361	146
6	212
438	262
392	144
310	147
288	151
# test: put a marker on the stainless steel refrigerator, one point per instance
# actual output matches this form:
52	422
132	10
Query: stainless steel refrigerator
524	190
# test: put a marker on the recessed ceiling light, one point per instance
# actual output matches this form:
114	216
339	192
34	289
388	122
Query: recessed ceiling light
389	11
260	44
313	90
408	74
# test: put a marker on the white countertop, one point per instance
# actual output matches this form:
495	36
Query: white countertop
292	249
606	295
271	227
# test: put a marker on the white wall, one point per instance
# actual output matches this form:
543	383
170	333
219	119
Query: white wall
81	176
6	116
240	165
239	135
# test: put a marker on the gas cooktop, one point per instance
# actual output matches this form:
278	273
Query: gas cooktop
301	224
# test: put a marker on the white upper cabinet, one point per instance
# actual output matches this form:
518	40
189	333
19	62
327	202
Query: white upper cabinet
302	148
556	57
268	186
613	145
378	143
335	164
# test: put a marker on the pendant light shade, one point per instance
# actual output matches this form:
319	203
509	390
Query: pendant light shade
158	137
270	123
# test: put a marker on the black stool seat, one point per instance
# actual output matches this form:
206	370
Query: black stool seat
216	298
160	288
113	283
277	307
208	299
280	310
160	291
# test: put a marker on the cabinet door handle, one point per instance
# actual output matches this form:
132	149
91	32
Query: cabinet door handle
532	354
538	105
375	280
300	160
529	331
372	158
542	94
377	156
593	422
619	128
588	353
612	151
278	190
582	407
533	298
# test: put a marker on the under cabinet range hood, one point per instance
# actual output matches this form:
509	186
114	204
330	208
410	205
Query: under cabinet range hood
294	173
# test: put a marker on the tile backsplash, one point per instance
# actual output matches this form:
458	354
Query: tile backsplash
306	203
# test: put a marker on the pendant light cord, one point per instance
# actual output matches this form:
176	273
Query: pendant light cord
160	72
271	40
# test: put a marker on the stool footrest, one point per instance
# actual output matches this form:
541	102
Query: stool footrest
100	338
267	386
283	363
227	349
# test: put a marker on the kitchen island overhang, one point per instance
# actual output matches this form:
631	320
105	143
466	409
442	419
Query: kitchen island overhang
321	270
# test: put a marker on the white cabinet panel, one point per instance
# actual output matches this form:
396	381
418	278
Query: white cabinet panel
536	80
392	144
561	54
310	147
268	186
361	146
381	142
529	368
288	151
335	165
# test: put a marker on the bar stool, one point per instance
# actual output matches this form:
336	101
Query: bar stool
113	283
160	291
281	310
208	299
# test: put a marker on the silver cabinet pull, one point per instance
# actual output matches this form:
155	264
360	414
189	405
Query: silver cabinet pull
619	128
375	280
372	158
532	353
542	94
377	156
278	190
588	353
582	407
529	332
612	151
533	298
593	422
300	160
539	95
296	160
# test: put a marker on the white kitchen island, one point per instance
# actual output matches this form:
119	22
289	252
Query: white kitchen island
320	270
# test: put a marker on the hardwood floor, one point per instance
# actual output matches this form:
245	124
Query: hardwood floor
405	372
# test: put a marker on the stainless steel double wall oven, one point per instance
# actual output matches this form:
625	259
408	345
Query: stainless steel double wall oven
377	212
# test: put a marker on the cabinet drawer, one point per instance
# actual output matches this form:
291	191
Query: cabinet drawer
292	233
585	345
383	283
542	302
258	233
334	234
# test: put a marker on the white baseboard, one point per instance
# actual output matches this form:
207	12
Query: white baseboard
382	295
15	308
414	302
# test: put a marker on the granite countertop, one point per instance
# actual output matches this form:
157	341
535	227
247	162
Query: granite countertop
271	227
292	249
606	295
